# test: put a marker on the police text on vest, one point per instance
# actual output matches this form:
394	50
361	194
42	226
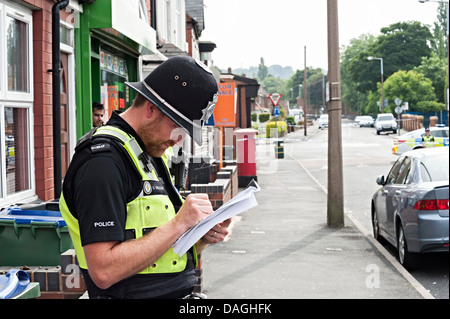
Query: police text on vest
104	224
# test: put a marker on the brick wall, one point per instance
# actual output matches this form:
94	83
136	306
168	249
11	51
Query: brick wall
220	191
59	282
42	85
42	107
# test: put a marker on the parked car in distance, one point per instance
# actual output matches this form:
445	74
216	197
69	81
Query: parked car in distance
411	210
323	121
413	140
385	122
366	121
357	119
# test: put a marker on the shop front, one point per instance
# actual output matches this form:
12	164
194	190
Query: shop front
111	38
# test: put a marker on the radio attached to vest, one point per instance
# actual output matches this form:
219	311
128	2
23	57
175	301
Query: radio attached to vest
179	167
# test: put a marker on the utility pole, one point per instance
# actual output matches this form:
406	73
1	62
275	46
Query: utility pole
305	87
335	205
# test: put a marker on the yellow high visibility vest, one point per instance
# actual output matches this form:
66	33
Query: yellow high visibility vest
145	213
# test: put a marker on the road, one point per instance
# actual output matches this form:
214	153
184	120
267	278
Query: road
365	157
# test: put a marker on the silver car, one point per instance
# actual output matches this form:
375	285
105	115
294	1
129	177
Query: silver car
366	121
411	208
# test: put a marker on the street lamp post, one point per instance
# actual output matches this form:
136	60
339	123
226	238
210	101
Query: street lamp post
382	80
305	99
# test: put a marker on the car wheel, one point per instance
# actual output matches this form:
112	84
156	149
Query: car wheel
376	228
406	258
378	132
394	131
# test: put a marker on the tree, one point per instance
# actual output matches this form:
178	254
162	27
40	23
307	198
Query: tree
274	85
440	32
412	87
430	106
435	69
401	45
352	96
263	71
314	79
315	91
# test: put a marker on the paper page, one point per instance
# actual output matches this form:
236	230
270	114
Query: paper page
240	203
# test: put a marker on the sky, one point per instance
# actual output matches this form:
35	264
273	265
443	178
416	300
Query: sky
246	30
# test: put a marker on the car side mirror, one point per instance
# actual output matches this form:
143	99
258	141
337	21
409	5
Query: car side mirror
380	180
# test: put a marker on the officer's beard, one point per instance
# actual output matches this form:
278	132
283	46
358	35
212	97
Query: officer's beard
150	134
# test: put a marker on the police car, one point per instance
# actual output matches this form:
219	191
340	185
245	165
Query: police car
413	140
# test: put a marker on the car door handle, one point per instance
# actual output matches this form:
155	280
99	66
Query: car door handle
385	192
398	192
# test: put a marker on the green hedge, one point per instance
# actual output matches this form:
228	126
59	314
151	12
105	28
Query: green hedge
430	106
282	127
264	117
290	120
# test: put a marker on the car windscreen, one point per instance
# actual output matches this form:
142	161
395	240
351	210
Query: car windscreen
440	133
435	168
385	118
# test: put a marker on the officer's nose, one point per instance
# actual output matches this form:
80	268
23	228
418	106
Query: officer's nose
178	135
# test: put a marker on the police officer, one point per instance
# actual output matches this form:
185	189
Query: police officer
427	139
119	201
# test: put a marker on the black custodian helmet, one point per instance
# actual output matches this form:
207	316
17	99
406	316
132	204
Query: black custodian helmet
184	89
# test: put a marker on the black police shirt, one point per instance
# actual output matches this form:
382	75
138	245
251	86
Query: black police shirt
99	192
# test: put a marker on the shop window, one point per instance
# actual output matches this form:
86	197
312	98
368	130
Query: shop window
115	95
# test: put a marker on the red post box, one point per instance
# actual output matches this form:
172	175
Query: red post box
246	155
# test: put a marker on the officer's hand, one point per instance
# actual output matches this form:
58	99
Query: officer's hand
196	207
217	233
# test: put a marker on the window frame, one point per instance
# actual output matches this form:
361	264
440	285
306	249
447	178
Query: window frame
25	16
394	172
404	171
10	99
6	199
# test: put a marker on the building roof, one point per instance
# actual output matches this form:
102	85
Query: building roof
206	46
170	50
195	9
252	85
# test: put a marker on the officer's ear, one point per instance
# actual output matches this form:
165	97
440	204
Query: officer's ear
151	111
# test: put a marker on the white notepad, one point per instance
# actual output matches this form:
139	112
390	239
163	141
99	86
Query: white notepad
240	203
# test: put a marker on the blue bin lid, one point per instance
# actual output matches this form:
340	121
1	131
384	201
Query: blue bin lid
27	216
